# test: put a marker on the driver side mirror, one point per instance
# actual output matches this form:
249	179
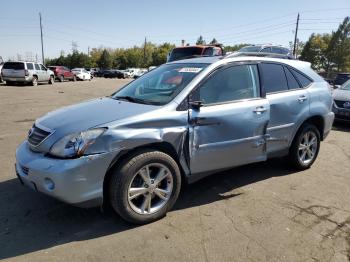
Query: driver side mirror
195	105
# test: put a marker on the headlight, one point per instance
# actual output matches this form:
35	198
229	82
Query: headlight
76	144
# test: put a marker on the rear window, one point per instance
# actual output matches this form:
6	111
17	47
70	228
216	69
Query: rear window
303	80
274	78
14	65
30	66
185	52
250	49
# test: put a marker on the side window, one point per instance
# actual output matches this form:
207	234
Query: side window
30	66
274	78
276	50
303	80
208	51
37	67
292	82
229	84
266	50
43	68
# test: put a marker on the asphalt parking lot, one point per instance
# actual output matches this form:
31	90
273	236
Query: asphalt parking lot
260	212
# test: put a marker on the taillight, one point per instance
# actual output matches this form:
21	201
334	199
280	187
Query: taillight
26	73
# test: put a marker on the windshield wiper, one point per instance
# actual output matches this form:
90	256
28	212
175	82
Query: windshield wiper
132	99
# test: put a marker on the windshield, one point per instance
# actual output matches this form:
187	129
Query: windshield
250	49
14	65
346	86
184	52
161	85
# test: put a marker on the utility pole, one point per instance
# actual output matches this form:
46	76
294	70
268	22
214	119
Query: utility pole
42	41
296	38
144	52
88	50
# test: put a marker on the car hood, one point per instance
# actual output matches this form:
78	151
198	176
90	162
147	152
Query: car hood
341	94
89	114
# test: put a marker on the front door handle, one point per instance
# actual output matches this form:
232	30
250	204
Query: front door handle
302	98
259	110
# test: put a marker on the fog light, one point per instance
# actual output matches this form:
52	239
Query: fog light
49	184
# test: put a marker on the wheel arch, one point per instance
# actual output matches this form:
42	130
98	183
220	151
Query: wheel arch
316	120
125	155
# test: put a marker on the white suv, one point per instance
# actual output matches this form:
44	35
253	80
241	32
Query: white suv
26	72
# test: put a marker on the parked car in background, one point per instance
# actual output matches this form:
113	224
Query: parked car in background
151	68
101	72
63	73
341	105
186	52
178	123
264	49
26	72
92	71
1	65
130	72
340	79
81	74
113	74
140	73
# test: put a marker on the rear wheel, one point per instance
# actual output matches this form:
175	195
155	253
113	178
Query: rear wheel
145	187
9	83
74	78
305	147
61	78
34	81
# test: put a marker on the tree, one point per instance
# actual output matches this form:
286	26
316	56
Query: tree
105	60
200	41
214	41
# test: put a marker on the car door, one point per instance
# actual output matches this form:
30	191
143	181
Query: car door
289	104
229	129
44	73
38	71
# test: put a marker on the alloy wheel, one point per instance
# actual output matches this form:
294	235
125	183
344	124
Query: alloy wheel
150	189
307	147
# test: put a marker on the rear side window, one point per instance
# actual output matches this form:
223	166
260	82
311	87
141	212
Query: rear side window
303	80
274	78
30	66
292	82
14	65
37	67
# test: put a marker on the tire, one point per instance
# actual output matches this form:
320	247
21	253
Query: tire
127	176
51	80
74	79
34	81
9	83
298	149
61	78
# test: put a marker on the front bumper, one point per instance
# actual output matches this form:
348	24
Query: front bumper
75	181
341	114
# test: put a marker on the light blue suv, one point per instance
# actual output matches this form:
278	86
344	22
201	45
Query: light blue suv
177	123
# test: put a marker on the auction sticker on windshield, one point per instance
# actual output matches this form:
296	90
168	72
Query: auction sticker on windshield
190	70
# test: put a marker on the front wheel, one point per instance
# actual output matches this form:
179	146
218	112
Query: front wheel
305	147
145	187
52	80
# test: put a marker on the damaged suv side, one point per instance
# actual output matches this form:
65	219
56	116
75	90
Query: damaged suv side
181	121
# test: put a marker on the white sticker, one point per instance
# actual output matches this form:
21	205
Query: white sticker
190	70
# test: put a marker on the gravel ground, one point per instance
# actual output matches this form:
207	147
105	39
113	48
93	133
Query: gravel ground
259	212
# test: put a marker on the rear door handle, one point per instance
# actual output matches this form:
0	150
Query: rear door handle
302	98
260	110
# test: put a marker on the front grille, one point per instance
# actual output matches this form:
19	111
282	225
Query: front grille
37	135
25	170
339	103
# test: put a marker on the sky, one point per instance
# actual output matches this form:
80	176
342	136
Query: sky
119	23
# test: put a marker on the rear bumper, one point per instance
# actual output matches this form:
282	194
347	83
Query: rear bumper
17	79
74	181
329	119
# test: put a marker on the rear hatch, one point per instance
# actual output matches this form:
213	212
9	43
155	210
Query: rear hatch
13	69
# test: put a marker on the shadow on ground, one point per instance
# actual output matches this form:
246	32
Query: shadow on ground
341	126
30	221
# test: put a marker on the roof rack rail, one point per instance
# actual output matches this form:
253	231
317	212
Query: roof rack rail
259	54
